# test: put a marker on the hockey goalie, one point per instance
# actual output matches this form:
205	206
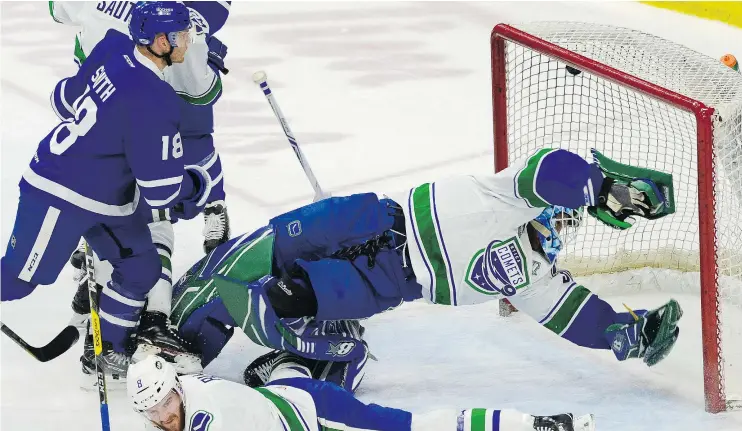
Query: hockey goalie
457	241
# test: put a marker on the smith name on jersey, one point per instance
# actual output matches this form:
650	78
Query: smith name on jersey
119	129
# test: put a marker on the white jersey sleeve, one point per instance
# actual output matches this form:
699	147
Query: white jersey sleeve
193	79
66	12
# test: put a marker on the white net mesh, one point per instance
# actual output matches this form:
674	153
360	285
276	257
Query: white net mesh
549	106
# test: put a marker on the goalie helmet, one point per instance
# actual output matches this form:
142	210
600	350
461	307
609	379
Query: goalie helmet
553	226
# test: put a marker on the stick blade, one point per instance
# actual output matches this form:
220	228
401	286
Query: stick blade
56	347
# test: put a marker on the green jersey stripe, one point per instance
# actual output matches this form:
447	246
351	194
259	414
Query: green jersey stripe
51	12
291	419
79	54
565	314
478	419
525	180
423	218
208	97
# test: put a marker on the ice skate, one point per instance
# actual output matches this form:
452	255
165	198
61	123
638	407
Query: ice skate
156	336
216	225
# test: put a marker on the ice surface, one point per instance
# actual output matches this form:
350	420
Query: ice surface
380	96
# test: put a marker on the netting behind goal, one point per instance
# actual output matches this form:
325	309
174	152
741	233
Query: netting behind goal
646	101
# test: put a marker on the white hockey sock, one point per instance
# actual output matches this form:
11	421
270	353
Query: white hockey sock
161	295
472	420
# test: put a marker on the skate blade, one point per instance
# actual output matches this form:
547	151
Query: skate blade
585	423
89	383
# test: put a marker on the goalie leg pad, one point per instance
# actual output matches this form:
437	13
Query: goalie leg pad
322	228
208	329
249	306
352	290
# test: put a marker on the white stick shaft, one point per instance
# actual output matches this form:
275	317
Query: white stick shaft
261	79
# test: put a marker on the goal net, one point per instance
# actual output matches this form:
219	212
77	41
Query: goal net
641	100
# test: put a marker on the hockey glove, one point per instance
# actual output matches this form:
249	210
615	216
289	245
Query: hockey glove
249	306
629	191
651	337
194	204
217	52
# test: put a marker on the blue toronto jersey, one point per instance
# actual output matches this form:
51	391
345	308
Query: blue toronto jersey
119	138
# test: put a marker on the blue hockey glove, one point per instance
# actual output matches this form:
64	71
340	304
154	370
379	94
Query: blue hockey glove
194	204
651	336
248	305
217	52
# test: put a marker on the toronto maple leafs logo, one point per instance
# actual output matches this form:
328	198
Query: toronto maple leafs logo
500	268
201	420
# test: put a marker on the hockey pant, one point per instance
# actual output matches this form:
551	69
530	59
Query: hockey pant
47	231
293	393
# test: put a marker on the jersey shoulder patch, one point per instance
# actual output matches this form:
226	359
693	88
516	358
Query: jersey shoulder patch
201	420
501	268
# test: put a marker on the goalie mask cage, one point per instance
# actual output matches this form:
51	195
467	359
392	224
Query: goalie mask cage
642	100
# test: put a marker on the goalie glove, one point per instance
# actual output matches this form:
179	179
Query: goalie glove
650	337
620	203
629	191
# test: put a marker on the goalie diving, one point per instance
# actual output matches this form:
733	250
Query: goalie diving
301	283
457	241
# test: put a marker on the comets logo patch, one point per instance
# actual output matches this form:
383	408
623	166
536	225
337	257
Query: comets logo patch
500	268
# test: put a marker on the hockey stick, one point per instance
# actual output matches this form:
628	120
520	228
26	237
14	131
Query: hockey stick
97	340
60	344
261	79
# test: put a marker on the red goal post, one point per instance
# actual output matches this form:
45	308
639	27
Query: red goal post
623	98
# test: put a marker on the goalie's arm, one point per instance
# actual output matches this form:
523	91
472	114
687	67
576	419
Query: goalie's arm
548	177
564	306
560	177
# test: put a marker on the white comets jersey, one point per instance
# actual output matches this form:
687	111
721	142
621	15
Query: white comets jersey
214	404
193	78
467	240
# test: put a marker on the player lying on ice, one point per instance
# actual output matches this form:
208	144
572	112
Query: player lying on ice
458	241
292	401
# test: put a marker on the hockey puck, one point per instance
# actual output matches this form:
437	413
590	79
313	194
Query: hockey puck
572	70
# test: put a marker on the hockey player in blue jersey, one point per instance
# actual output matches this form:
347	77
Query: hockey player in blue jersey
198	82
456	241
292	401
121	144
